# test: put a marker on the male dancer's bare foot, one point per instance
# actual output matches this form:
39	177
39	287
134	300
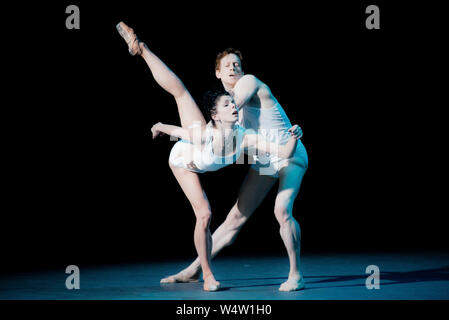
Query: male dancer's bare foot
210	284
293	283
183	276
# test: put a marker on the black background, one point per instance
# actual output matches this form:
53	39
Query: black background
85	183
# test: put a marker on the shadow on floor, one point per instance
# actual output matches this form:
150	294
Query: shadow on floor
436	274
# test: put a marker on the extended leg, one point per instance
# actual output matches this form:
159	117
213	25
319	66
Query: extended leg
253	190
190	184
188	110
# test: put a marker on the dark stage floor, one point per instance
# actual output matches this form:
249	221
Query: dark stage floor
328	276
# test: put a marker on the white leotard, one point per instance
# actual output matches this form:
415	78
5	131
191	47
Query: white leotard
273	124
200	159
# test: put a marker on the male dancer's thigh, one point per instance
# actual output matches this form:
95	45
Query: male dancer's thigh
290	178
253	190
189	112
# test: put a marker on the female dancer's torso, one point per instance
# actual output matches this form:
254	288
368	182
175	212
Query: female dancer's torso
201	158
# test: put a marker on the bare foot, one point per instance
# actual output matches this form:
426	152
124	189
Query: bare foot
293	283
182	276
210	284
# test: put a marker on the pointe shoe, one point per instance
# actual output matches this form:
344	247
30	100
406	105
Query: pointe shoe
130	37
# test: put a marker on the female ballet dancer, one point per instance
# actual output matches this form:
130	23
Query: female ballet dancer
204	146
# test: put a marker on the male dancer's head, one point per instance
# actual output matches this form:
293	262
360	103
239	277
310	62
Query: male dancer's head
228	67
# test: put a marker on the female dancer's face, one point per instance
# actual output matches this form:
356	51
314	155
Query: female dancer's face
226	110
230	69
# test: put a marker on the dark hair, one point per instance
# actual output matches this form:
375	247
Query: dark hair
210	99
224	53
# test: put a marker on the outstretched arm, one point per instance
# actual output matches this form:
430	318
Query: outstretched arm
245	89
193	135
262	145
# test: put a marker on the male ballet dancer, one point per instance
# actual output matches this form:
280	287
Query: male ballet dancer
259	110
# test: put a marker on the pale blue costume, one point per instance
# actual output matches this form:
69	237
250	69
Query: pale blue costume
273	124
200	159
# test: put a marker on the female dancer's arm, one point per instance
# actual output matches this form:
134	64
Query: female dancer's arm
193	135
262	145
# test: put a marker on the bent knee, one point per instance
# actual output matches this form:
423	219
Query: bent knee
283	214
201	207
202	211
204	218
235	219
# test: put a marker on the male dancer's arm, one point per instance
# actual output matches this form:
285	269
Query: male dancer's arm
193	135
245	89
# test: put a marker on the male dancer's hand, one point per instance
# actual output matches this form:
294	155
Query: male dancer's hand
296	131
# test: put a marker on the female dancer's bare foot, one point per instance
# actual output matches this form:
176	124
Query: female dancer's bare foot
210	284
130	37
183	276
294	282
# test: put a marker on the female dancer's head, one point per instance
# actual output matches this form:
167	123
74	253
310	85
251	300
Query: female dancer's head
228	67
220	108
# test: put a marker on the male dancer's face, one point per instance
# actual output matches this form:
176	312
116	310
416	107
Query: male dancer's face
230	70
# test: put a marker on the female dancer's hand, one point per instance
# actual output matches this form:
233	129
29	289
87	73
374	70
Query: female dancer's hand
296	131
155	130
